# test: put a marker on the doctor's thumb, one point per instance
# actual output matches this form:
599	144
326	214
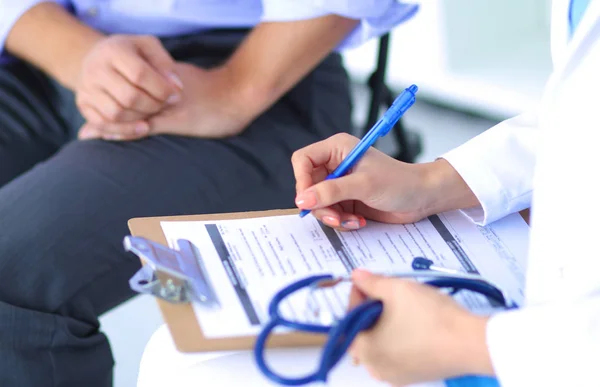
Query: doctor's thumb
371	285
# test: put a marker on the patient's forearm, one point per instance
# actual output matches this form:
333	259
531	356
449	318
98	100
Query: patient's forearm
51	39
275	56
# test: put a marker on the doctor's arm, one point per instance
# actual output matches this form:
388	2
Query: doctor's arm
498	167
424	335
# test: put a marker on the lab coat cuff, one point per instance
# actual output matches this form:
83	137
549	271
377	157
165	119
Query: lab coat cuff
487	188
377	17
11	12
498	166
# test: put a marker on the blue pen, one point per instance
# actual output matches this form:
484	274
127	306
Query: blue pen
382	127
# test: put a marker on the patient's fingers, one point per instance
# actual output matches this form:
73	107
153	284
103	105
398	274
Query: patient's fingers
126	131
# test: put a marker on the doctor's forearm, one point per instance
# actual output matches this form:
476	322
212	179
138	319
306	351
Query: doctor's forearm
48	37
277	55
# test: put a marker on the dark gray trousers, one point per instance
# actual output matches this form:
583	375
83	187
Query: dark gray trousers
64	204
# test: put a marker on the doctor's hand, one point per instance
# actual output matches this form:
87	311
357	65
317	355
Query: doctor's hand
379	187
422	335
125	79
210	107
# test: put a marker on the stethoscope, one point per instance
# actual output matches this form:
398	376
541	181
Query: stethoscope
364	316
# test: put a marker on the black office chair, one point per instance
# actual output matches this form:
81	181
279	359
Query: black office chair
409	144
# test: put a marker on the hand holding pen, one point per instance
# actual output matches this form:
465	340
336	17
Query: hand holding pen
379	187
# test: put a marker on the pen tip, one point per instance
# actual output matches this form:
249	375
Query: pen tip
413	89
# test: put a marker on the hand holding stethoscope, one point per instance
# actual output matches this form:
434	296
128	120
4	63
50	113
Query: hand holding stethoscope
342	331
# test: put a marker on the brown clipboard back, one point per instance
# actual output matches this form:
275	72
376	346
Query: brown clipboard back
181	319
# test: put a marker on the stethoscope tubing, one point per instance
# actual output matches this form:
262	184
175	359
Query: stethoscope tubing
362	317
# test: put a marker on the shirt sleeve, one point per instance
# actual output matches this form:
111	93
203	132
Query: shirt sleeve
550	345
498	166
12	10
377	17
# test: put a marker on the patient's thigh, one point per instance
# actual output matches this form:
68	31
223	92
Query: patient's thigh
64	220
37	117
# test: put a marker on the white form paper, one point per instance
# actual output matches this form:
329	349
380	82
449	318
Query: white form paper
249	260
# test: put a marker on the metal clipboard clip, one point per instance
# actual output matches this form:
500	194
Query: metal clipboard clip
177	276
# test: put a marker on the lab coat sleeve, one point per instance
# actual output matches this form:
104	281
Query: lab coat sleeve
12	10
377	17
549	345
498	166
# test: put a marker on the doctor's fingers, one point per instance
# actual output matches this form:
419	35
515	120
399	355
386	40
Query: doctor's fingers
340	216
326	154
309	177
362	353
354	186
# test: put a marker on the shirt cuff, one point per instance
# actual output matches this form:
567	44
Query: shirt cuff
11	12
377	17
551	345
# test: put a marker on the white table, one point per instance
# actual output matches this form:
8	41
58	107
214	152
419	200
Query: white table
162	365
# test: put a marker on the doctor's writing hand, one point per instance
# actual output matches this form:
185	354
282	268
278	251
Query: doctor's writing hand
422	335
124	80
210	107
379	187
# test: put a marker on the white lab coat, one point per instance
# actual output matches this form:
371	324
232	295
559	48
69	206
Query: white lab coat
555	339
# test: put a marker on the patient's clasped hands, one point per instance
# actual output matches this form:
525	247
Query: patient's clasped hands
130	87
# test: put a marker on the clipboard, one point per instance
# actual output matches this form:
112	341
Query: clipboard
179	314
167	284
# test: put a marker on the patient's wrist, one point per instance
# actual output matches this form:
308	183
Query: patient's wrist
248	91
67	70
240	103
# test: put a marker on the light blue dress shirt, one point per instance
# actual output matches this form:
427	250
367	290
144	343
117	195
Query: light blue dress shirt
174	17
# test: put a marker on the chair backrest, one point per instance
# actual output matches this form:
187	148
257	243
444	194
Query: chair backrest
377	82
409	144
